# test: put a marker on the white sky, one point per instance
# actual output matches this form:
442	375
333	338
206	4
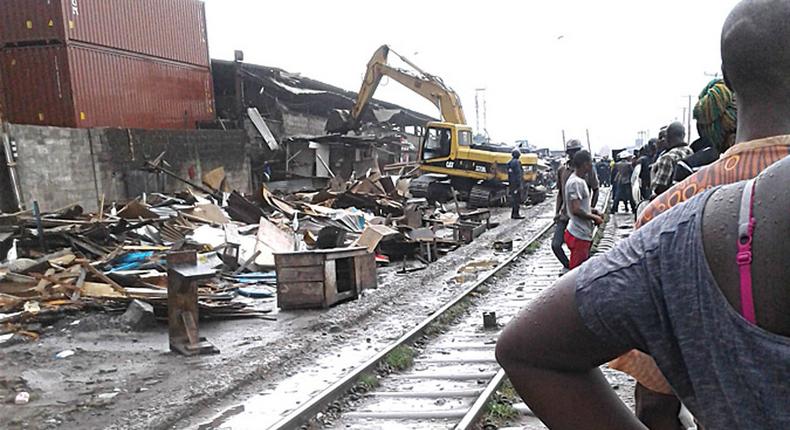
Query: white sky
620	67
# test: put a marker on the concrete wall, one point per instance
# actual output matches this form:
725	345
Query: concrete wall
61	166
54	166
297	124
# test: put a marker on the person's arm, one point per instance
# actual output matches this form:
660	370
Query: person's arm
659	189
594	186
576	210
552	360
560	193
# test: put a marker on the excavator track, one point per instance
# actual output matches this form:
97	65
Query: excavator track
418	187
432	187
486	195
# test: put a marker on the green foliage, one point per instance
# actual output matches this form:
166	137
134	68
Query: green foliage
400	358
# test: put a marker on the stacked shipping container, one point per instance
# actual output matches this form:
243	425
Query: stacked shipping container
114	63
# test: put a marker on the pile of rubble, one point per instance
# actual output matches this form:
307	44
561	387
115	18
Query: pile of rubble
67	260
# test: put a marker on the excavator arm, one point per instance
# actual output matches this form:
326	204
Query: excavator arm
428	86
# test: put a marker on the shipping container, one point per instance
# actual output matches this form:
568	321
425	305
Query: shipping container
2	97
84	86
167	29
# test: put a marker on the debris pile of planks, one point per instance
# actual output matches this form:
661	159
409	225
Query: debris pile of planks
375	211
67	260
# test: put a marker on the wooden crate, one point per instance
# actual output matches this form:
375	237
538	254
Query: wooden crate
322	278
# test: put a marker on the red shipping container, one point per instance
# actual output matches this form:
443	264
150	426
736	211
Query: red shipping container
2	97
168	29
84	86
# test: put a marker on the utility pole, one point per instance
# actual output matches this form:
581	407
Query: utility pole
683	117
478	92
687	117
689	120
477	110
589	147
564	144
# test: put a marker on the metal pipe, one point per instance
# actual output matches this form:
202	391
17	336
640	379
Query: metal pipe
11	163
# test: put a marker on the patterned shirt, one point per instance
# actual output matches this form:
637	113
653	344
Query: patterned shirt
665	166
743	161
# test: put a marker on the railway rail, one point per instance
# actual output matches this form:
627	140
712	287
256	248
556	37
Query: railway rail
454	374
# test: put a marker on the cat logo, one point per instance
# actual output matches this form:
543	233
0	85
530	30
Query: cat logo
75	9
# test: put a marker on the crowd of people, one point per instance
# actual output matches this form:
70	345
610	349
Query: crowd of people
694	304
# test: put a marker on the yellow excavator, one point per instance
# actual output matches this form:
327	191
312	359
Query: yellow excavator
447	155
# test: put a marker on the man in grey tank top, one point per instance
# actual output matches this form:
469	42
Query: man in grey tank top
672	289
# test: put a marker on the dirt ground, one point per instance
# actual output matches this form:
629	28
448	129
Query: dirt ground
128	380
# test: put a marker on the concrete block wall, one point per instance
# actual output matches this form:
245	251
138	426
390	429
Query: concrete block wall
61	166
188	153
54	166
298	124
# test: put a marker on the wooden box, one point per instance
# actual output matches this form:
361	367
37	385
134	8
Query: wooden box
322	278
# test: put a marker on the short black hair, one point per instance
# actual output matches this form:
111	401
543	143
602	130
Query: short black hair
581	158
676	129
753	50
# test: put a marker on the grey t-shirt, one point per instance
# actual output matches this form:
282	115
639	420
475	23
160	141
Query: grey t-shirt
655	291
565	171
576	189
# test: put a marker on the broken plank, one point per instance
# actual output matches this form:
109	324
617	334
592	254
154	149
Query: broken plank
104	278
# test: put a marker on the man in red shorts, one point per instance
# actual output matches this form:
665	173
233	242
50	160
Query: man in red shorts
578	202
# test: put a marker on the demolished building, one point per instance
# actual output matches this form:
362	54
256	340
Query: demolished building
295	110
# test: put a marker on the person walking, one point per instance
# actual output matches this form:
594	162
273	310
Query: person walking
622	181
515	178
561	218
645	160
603	170
583	218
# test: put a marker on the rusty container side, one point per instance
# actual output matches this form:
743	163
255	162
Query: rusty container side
2	94
37	89
116	89
167	29
31	22
85	86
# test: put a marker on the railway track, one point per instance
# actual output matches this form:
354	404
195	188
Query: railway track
454	374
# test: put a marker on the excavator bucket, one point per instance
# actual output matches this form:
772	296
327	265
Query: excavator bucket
339	121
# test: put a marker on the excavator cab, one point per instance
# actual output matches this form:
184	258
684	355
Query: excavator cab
437	143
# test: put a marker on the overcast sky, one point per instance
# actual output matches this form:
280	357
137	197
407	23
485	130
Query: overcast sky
613	67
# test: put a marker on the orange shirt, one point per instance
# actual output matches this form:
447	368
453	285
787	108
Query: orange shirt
743	161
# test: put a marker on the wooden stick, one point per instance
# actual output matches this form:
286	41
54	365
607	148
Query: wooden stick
104	278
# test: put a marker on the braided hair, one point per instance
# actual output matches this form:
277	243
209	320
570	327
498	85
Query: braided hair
716	115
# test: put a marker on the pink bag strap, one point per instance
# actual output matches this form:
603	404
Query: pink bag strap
744	257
